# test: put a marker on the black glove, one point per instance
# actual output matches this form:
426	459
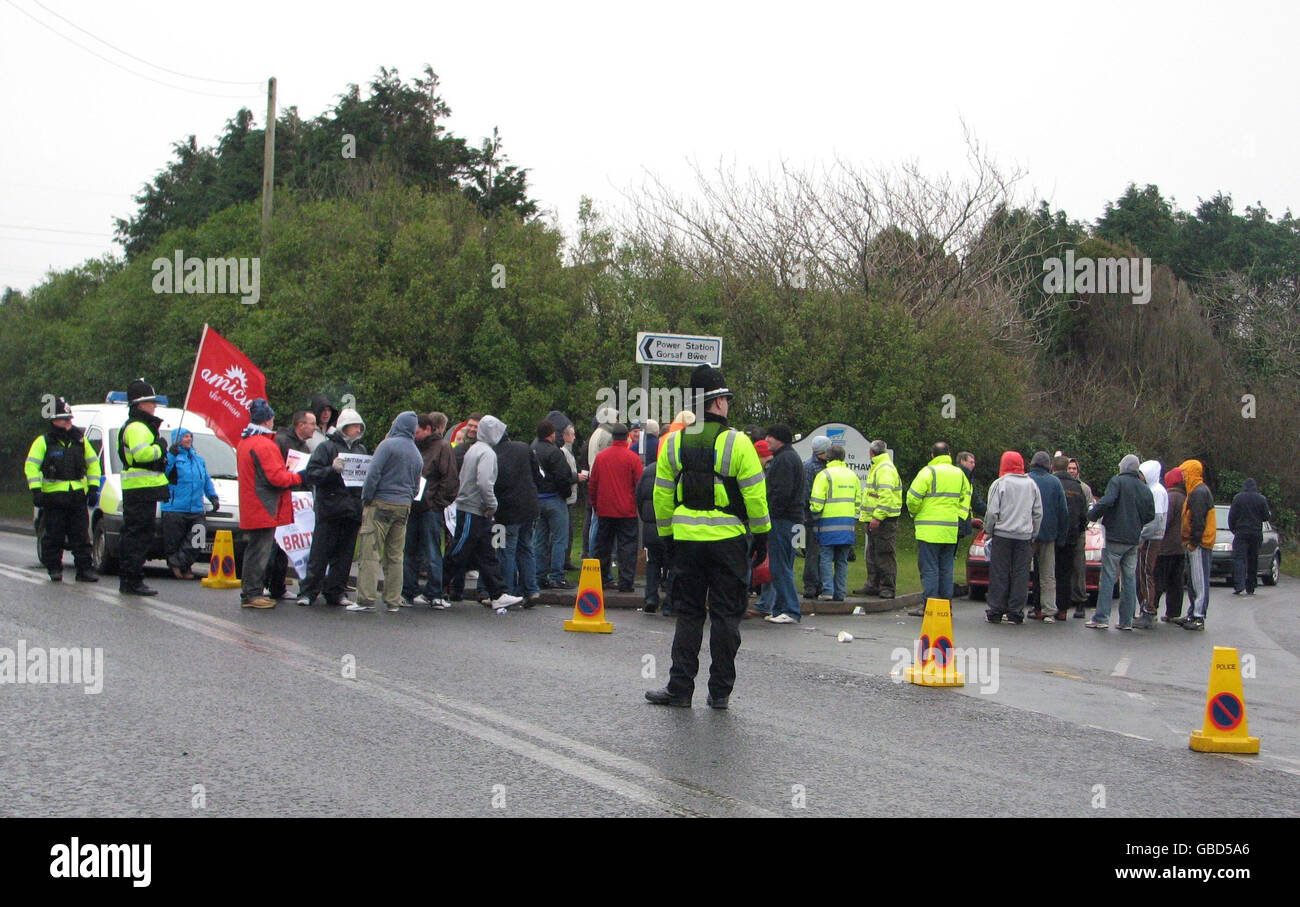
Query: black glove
759	554
92	498
38	498
216	504
174	449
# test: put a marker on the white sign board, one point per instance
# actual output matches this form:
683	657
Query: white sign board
677	349
295	538
857	449
355	467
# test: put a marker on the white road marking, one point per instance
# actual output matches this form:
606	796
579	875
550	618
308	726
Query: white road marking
474	720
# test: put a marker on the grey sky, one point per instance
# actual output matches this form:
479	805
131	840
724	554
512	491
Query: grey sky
1195	97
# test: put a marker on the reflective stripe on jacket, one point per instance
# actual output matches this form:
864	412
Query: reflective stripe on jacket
836	496
938	500
734	457
882	495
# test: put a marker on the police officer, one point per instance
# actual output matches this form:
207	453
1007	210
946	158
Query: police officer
63	476
708	483
143	453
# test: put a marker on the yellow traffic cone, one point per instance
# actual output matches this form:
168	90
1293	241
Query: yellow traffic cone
221	569
1225	729
934	663
589	607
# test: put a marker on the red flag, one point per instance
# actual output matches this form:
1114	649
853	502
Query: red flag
222	386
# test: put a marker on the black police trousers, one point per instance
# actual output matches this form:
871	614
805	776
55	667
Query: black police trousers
710	579
67	525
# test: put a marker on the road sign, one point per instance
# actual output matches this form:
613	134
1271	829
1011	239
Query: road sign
677	349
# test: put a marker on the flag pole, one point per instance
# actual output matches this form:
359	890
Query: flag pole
194	371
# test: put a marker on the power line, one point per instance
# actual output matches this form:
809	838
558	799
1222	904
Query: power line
134	57
51	230
53	242
138	75
73	189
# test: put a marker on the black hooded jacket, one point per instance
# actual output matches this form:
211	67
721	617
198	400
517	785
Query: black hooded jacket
1249	512
517	481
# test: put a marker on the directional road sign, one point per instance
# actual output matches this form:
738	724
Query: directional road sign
678	349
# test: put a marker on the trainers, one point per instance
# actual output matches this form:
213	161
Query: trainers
354	606
505	601
87	576
440	604
780	619
1062	615
993	618
1013	619
1095	625
393	609
1035	614
344	602
824	597
1079	612
422	599
1194	623
303	601
1124	627
405	603
261	602
1143	622
532	599
56	577
562	584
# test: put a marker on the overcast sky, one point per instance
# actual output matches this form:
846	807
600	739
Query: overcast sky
1195	97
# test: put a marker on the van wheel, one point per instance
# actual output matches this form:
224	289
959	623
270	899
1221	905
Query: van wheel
1275	571
106	564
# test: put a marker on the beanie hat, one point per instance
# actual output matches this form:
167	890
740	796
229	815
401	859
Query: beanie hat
764	451
781	432
1041	460
618	431
821	444
709	381
260	411
349	417
559	420
140	391
1011	462
61	409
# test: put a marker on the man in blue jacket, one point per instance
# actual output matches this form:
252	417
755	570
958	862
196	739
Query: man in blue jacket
1055	516
183	511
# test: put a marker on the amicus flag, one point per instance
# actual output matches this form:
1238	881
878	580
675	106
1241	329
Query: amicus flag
222	386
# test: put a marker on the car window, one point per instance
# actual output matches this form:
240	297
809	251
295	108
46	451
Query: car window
218	456
112	451
95	438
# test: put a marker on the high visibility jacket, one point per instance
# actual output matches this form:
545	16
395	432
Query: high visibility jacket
882	495
734	457
144	457
52	464
939	499
836	496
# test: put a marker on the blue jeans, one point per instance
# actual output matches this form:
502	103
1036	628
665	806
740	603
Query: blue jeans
783	598
934	560
1117	559
518	569
835	582
551	539
423	545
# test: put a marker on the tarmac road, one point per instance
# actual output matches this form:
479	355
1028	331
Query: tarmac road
207	708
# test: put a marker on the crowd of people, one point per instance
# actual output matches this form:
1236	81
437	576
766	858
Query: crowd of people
437	505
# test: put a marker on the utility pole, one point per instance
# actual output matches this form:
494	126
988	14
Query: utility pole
268	162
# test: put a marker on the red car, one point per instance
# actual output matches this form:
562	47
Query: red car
977	564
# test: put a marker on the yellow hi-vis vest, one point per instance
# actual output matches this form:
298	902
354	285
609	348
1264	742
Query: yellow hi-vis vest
882	496
733	457
836	494
939	499
36	480
140	447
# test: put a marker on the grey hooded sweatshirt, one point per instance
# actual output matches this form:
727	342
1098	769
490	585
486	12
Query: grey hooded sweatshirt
478	474
394	474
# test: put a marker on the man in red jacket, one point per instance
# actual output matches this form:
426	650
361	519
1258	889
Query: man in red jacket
264	499
612	487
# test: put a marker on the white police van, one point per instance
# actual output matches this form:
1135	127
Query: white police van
101	423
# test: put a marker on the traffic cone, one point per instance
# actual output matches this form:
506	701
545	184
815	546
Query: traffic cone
589	607
934	663
1225	729
221	569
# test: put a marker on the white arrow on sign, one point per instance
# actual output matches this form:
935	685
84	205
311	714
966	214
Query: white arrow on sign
678	349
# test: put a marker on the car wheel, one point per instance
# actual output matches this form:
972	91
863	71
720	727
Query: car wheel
105	563
1275	571
979	593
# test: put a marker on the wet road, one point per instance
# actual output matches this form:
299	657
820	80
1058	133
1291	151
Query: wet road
209	709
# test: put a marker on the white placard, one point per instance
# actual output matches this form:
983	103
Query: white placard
355	467
295	538
419	492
